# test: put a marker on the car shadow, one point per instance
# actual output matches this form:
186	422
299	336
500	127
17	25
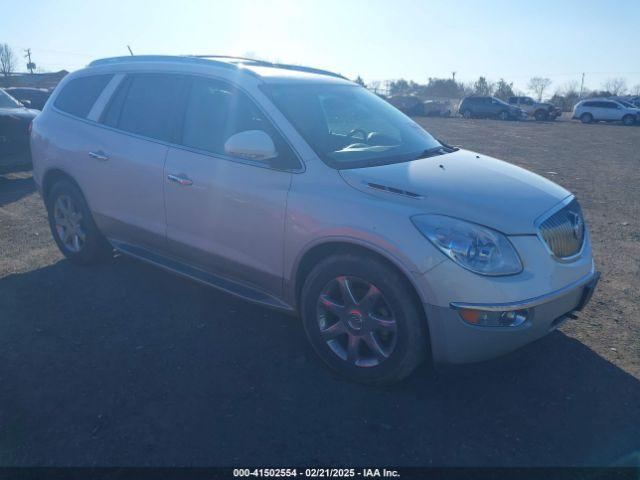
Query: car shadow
13	188
124	364
14	162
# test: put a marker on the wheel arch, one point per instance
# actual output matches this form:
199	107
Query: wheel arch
318	251
54	175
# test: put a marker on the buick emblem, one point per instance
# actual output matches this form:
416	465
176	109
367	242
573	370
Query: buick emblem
577	225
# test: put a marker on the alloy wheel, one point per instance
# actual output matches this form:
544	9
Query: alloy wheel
356	322
67	220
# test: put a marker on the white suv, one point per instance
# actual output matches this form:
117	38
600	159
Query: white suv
299	190
605	110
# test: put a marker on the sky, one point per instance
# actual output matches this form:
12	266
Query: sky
376	39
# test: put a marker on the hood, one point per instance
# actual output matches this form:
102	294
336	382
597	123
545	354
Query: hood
464	185
19	113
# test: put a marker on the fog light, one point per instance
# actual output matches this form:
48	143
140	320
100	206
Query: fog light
511	318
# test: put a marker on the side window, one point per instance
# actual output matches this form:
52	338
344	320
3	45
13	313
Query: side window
589	104
78	96
148	104
513	100
215	111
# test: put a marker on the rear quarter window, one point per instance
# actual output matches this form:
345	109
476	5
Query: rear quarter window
78	96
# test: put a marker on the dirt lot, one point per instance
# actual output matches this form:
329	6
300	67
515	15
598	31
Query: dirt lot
124	364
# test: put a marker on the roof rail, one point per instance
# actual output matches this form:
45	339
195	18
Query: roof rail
225	61
264	63
160	58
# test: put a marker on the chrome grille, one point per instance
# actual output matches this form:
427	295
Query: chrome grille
563	231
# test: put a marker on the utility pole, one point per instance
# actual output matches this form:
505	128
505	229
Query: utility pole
130	50
30	65
453	74
581	85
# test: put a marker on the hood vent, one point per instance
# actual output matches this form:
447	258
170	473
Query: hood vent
397	191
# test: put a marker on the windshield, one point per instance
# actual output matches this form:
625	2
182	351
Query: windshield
7	101
350	127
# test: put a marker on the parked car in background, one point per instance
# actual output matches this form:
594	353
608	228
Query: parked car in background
625	102
635	101
390	245
15	119
436	108
605	110
31	97
484	107
408	104
538	110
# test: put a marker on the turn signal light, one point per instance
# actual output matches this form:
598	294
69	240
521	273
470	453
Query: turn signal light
509	318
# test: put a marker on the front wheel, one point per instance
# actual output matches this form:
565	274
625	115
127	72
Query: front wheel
72	225
362	320
628	120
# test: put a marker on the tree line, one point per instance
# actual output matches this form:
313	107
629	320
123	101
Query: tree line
564	96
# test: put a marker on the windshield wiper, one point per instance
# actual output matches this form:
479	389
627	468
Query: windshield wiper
432	152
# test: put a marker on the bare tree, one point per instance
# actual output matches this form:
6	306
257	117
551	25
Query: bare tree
7	60
636	90
375	85
538	85
617	86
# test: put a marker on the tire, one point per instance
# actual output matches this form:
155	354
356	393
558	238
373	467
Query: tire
586	118
628	120
73	227
381	296
467	114
541	115
503	115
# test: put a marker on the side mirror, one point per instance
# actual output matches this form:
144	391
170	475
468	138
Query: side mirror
251	145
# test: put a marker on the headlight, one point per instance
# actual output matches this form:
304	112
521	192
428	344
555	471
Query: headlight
471	246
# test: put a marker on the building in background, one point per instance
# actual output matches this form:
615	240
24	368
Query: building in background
35	80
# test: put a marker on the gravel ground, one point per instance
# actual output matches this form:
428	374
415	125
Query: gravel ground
124	364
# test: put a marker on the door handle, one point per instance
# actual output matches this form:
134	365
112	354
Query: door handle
99	155
180	180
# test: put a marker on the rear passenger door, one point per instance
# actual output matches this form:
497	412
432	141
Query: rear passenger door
226	215
128	158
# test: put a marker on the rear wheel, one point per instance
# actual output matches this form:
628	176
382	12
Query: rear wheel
362	320
541	115
586	118
628	120
72	225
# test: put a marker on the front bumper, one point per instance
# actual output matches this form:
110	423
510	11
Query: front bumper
455	341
